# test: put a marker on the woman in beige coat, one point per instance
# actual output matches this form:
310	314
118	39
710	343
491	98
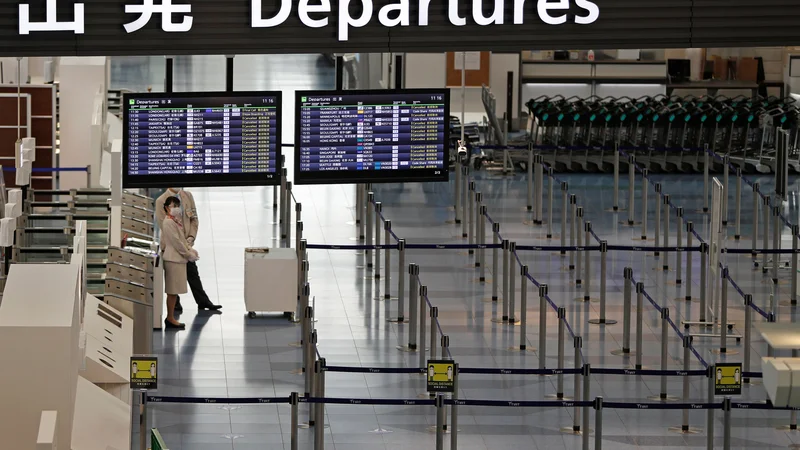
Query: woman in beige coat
177	252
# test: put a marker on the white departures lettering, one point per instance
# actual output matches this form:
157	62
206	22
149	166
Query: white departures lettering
304	9
51	23
166	9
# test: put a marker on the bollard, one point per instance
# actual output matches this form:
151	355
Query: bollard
539	189
577	343
616	179
506	245
765	235
294	400
703	270
666	231
776	242
457	192
639	316
481	238
413	293
723	324
678	252
401	279
564	200
309	350
573	202
562	316
440	425
627	274
598	423
726	436
658	218
495	251
319	423
387	236
706	188
725	191
756	203
738	232
586	395
523	327
603	256
579	221
471	229
512	283
378	209
287	223
550	203
748	328
530	176
368	227
644	204
434	318
664	355
454	409
465	201
542	325
631	188
710	411
587	278
423	303
689	229
793	286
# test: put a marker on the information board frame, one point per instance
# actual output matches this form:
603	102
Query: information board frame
372	176
200	180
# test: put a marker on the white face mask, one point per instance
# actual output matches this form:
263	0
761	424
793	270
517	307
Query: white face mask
175	211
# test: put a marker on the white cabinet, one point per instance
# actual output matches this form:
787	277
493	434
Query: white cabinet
270	280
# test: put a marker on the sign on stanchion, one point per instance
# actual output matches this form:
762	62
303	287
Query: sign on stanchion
144	373
728	379
156	441
441	376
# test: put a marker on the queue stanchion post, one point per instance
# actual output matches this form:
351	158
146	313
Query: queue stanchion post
480	239
684	427
598	423
143	420
457	192
765	235
512	284
294	401
678	252
401	280
658	218
631	188
495	267
423	314
473	198
309	372
726	422
319	421
562	317
368	229
378	210
615	207
706	186
748	329
710	411
703	276
523	325
298	212
725	191
550	203
387	261
689	259
754	234
301	256
539	189
776	242
434	317
506	264
564	207
288	222
666	232
639	316
454	410
603	263
542	325
644	204
361	210
662	396
275	189
465	200
723	321
440	422
577	343
587	258
413	293
738	233
627	274
587	393
573	206
298	235
579	241
282	203
530	176
793	285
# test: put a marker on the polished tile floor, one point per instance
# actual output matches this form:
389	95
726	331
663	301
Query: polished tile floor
234	356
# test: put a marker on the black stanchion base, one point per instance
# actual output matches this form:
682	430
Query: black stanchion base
386	298
572	267
623	352
464	235
573	430
685	429
578	281
482	280
397	320
503	319
521	349
549	236
538	222
602	321
688	298
663	398
627	223
377	276
457	221
407	348
471	252
664	267
586	299
561	396
724	223
791	303
490	300
726	352
477	264
788	428
529	207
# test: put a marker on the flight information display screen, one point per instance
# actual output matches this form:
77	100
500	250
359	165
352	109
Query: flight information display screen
379	136
201	139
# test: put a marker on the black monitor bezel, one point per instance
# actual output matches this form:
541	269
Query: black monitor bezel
200	180
372	176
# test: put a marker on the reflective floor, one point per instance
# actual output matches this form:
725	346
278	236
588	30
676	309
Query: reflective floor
235	356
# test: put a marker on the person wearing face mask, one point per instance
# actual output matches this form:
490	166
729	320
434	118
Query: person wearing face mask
191	223
177	253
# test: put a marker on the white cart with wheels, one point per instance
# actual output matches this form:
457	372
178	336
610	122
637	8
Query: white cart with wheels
270	281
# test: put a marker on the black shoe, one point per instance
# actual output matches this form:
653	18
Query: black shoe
171	326
209	306
178	306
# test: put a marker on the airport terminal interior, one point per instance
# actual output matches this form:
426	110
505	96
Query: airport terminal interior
611	261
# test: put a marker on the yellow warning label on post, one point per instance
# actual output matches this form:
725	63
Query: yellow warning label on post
728	379
144	372
441	376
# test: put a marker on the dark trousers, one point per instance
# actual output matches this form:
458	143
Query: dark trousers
200	296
